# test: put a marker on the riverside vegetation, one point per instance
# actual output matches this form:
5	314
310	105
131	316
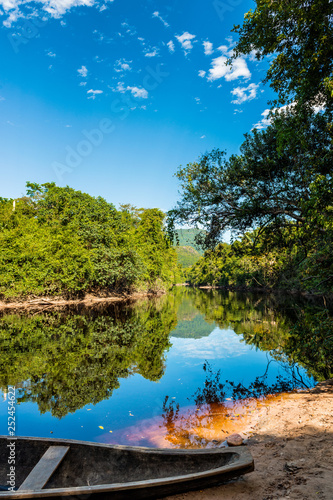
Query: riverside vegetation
60	242
276	195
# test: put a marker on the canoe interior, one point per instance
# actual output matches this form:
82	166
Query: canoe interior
97	465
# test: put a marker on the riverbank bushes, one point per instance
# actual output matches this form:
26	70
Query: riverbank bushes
62	242
251	263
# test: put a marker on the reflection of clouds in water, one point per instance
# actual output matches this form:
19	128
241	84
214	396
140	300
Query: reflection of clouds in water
219	344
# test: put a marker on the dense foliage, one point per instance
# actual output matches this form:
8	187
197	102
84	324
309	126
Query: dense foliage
276	195
274	181
298	37
58	241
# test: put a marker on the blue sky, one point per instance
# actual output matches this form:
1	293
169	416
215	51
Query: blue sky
111	97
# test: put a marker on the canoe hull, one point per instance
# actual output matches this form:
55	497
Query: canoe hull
99	471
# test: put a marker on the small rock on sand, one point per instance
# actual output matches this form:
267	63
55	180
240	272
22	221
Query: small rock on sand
235	440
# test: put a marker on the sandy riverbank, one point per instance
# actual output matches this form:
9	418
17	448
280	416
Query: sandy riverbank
292	446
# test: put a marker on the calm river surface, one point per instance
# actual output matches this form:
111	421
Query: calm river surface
118	374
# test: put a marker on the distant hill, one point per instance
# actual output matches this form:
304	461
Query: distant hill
187	238
187	256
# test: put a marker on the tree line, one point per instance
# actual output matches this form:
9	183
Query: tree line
276	195
57	241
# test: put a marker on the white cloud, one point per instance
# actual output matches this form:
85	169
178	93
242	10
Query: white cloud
94	93
244	94
252	55
138	92
158	16
220	344
122	65
202	73
120	87
153	53
197	100
55	8
203	137
83	71
264	122
99	35
51	54
208	47
318	108
8	4
239	69
82	84
186	41
220	69
171	46
227	51
130	30
13	16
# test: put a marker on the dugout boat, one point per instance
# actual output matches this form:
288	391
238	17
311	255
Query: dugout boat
58	468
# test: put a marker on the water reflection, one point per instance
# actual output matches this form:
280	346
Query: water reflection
292	329
217	409
71	360
64	360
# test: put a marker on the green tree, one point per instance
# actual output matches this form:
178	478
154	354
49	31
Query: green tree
299	36
60	241
267	185
155	248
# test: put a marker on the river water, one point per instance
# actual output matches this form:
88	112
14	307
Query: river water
137	373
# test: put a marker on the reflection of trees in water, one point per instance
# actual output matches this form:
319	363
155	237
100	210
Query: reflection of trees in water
77	357
72	360
218	408
292	329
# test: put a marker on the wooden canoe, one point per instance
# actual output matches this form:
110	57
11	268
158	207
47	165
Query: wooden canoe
58	468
